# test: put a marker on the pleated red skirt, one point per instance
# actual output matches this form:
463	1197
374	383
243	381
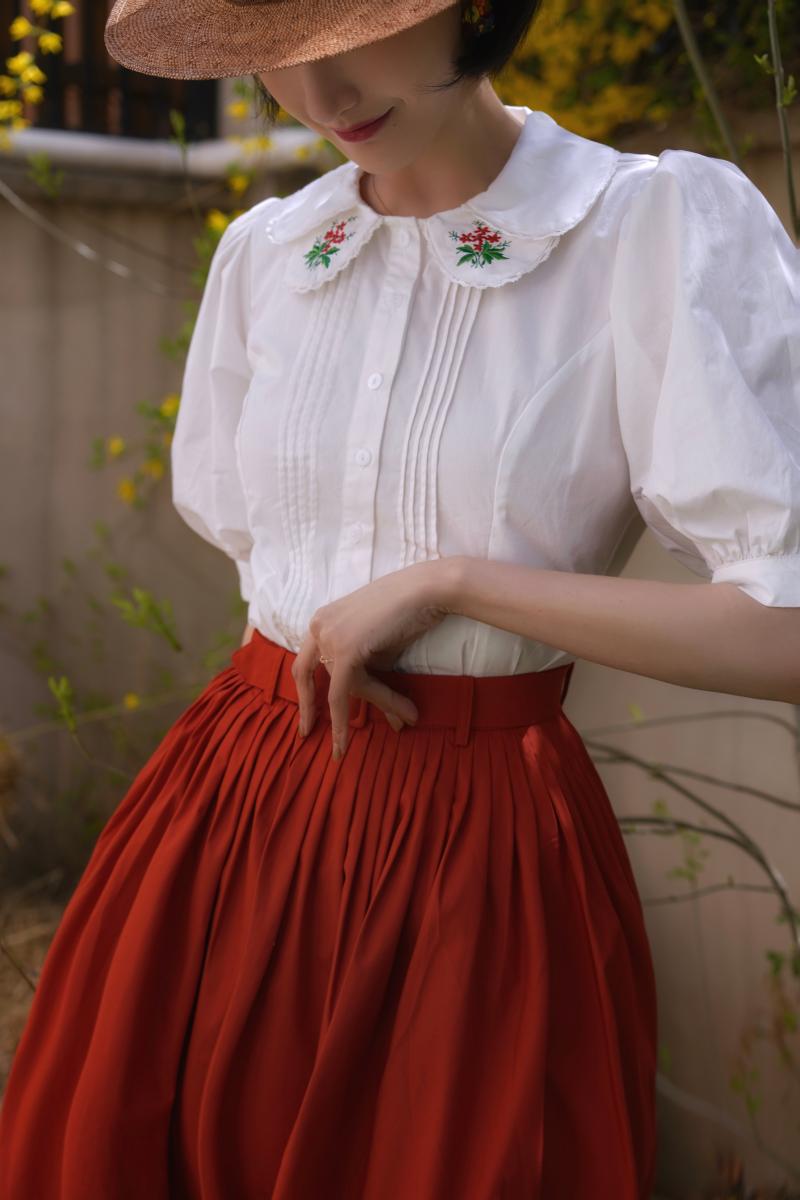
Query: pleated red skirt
420	972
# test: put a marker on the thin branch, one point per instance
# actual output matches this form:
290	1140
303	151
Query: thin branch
696	59
712	889
786	142
741	837
679	719
83	249
715	781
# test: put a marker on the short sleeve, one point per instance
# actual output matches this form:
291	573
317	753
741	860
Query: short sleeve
206	486
705	320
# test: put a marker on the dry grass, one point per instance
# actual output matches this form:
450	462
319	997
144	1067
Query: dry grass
28	921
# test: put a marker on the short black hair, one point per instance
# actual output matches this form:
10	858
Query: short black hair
479	53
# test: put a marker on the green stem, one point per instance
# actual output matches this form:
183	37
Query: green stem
777	64
696	59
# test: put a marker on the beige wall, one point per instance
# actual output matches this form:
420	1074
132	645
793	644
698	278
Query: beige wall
80	350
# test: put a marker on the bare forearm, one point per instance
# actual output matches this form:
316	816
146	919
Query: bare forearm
708	636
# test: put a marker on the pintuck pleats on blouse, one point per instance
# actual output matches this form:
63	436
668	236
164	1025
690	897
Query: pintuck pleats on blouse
597	342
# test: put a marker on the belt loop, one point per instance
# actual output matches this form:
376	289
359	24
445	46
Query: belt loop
464	715
567	677
272	666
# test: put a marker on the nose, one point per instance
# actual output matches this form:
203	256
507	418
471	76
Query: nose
328	95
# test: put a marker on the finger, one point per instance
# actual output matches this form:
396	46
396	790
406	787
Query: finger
391	702
303	668
339	690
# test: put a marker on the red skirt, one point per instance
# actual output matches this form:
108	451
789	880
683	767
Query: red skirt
420	972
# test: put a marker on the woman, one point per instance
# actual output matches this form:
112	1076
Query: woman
365	925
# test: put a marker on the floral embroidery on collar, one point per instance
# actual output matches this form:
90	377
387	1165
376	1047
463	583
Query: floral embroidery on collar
328	244
481	245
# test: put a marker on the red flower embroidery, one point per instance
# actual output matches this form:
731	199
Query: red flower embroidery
480	245
328	244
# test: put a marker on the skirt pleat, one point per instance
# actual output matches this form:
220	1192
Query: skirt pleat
419	973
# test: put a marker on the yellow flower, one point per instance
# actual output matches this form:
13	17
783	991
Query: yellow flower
33	93
153	467
20	28
62	8
658	112
115	446
216	220
19	62
238	182
20	123
40	7
624	49
126	490
167	438
250	145
9	108
558	75
50	43
239	108
169	405
655	13
8	86
131	700
33	74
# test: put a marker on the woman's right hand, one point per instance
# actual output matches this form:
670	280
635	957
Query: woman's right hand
248	633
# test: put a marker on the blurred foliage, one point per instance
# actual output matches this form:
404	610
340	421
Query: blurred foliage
601	67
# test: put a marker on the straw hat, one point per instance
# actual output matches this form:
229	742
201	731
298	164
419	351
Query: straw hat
212	39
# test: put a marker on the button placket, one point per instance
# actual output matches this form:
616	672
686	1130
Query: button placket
384	338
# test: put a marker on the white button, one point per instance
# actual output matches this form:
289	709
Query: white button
354	532
403	237
363	457
375	380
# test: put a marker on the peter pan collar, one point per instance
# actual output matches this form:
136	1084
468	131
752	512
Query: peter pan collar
547	185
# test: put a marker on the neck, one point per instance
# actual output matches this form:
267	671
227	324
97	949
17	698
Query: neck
458	163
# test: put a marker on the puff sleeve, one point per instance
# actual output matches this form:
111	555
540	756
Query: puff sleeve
206	486
705	320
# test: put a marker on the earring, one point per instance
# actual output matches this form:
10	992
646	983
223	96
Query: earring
479	14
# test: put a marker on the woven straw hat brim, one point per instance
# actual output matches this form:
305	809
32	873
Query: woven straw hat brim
215	39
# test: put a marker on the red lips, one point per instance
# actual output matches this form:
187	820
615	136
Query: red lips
359	133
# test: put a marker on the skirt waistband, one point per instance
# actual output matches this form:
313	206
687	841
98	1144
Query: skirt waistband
458	702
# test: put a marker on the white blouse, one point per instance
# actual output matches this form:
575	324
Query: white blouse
596	341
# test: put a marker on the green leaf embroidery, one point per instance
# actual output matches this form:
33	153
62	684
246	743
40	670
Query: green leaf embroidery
327	244
480	245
